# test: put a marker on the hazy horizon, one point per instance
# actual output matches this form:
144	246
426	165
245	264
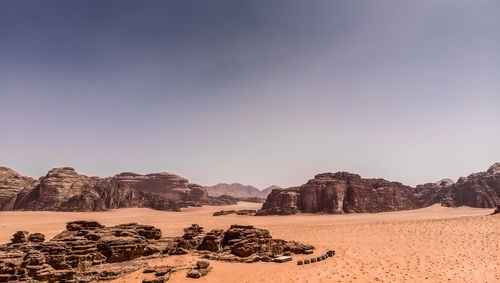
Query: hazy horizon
254	92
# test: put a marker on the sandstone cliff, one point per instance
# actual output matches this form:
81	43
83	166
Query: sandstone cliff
344	192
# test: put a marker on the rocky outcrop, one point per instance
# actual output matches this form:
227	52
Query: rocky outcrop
77	254
64	189
344	192
238	243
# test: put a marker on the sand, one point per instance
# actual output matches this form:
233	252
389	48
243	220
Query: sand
434	244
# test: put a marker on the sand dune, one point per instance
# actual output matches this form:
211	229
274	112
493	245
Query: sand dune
436	244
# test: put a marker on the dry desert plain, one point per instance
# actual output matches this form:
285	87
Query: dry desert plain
433	244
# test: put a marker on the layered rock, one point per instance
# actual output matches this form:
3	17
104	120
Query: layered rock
238	243
63	189
90	252
344	192
74	254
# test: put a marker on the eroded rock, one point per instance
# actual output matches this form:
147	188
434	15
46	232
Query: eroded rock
241	243
73	256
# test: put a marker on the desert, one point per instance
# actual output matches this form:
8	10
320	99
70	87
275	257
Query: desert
236	141
435	244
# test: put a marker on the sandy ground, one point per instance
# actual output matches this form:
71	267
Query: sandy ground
433	244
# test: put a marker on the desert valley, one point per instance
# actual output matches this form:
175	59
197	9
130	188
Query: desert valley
379	230
234	141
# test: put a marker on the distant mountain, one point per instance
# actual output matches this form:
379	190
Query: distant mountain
238	190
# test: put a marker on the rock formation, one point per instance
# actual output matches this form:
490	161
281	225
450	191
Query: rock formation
64	189
238	243
89	252
84	252
344	192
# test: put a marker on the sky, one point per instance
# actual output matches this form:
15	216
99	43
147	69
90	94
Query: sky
258	92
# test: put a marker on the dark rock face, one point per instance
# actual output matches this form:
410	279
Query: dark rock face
74	254
63	189
238	243
347	193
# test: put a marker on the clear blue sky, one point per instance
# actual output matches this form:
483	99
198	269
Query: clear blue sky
259	92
